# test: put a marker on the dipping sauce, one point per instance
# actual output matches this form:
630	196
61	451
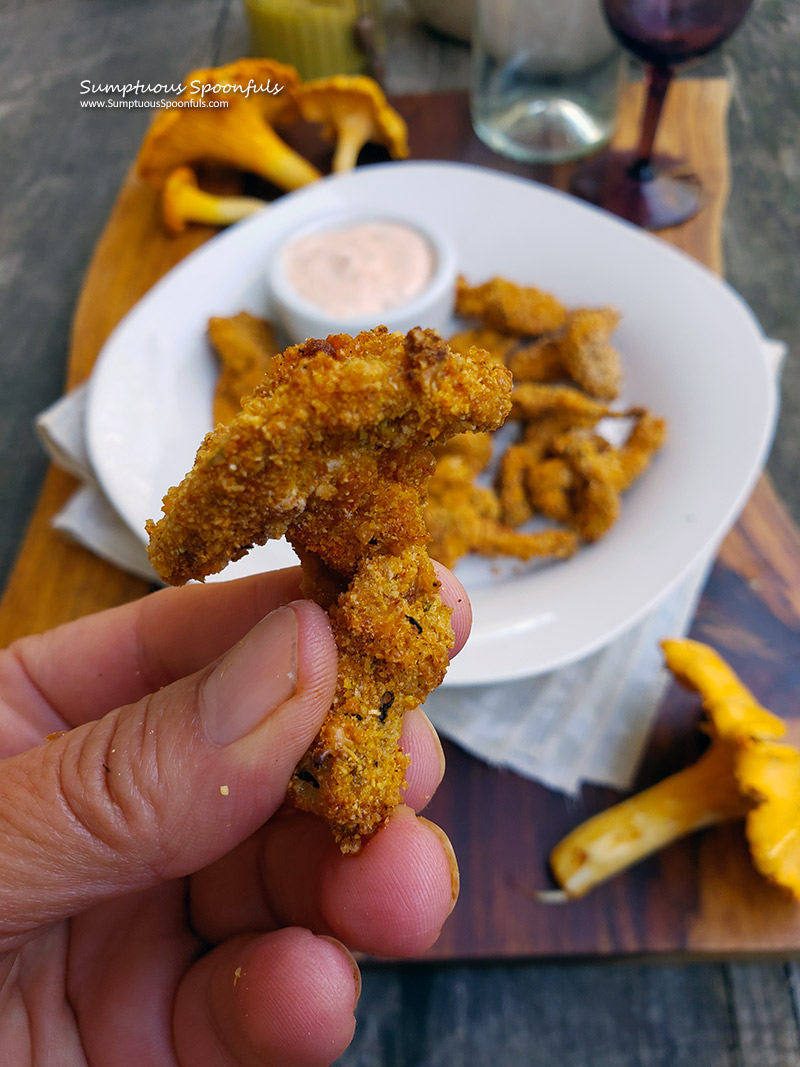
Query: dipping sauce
364	269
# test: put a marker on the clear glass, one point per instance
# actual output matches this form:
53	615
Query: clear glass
546	78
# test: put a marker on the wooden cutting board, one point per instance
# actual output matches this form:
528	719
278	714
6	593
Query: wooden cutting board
700	896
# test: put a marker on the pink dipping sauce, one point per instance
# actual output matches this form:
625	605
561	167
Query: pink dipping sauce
363	269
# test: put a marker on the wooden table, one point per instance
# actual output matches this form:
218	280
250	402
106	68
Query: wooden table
754	589
471	1014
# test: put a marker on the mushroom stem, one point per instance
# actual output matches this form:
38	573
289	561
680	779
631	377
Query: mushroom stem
217	210
243	141
263	152
183	201
702	795
229	209
353	133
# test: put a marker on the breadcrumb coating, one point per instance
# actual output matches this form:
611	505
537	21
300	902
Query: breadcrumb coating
334	449
573	476
244	346
465	517
587	355
556	468
510	308
498	345
581	352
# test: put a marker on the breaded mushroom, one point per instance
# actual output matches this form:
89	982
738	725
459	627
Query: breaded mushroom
334	449
510	308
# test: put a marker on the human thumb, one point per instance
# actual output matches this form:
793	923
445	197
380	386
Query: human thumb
162	787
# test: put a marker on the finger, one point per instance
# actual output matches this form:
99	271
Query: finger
140	647
426	769
140	947
164	786
135	649
455	596
391	899
220	911
284	999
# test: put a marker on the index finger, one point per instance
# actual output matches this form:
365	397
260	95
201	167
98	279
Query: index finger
84	669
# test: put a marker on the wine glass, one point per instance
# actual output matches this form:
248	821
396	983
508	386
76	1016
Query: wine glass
646	189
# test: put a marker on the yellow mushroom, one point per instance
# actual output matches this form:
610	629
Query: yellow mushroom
734	710
183	201
353	110
239	135
744	774
770	775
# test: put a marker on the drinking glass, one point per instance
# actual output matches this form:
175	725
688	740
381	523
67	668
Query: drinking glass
646	189
546	78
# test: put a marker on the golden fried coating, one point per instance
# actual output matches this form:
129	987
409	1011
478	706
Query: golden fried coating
393	635
539	338
602	473
547	411
587	355
334	450
647	436
563	471
557	467
502	541
597	472
550	484
533	400
464	517
515	503
244	345
510	308
497	344
474	448
580	351
455	510
538	361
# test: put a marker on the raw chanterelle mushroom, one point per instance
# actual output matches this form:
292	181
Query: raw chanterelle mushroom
239	135
183	201
354	110
744	774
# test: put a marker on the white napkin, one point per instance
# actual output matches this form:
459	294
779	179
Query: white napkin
588	722
87	517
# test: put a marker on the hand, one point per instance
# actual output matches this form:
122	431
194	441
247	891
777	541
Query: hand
158	904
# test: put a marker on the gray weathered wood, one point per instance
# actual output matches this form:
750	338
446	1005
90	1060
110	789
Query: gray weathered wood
550	1015
762	233
765	1016
60	169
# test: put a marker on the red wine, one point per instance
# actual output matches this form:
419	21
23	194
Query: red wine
670	32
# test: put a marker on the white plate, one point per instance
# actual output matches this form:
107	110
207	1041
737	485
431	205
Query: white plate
691	352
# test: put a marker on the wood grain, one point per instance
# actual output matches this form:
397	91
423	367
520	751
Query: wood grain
699	896
55	580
